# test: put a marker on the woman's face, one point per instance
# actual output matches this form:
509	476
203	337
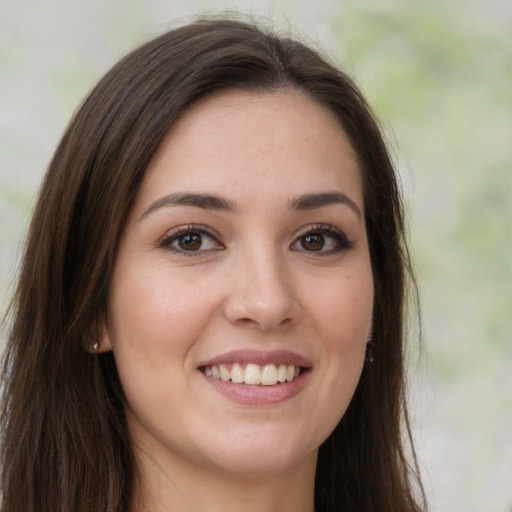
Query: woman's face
242	294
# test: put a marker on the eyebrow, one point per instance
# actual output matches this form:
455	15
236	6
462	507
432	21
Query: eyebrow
218	203
204	201
313	201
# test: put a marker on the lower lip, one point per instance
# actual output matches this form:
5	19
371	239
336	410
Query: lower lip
248	394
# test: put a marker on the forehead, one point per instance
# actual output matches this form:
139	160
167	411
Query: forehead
251	142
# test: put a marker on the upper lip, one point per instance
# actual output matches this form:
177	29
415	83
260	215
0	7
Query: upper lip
258	357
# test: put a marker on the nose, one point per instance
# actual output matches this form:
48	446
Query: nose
262	293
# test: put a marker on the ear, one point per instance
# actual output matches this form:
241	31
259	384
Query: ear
100	341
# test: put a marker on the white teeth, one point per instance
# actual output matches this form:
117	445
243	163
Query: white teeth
224	373
269	375
252	374
266	375
237	374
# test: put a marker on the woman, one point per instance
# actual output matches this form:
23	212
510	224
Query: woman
210	309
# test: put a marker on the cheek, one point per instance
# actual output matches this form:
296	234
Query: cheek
152	316
342	310
154	325
342	315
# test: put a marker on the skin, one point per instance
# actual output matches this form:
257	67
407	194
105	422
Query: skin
256	284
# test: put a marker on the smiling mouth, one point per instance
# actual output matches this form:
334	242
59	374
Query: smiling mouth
253	374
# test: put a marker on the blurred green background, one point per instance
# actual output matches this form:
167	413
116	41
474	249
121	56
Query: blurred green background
438	75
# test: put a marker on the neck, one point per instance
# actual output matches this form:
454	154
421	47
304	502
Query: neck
186	487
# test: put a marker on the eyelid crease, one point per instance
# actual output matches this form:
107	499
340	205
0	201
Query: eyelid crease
326	229
172	235
321	228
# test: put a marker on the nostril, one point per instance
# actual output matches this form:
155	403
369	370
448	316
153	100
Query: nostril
263	324
247	321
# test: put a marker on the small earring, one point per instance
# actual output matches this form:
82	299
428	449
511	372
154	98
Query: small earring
96	346
369	351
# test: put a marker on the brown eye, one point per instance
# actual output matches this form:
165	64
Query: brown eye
312	242
190	242
190	239
322	239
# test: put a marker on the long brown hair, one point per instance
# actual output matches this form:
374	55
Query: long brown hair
64	441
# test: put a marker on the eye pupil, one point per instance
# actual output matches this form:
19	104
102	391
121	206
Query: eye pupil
313	242
190	242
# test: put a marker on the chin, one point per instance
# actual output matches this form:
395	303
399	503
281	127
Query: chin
263	452
257	462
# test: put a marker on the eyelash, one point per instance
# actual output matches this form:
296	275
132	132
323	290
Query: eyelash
191	229
324	230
